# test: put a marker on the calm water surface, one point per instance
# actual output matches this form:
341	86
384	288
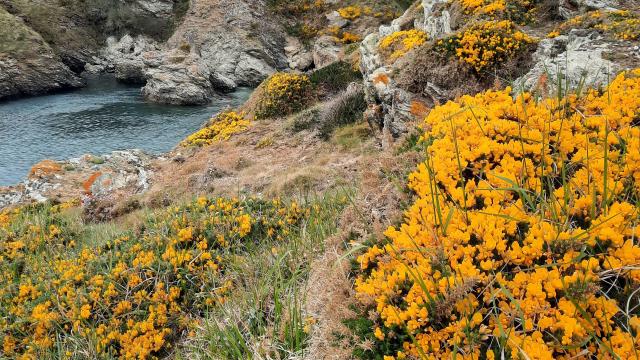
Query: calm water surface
103	117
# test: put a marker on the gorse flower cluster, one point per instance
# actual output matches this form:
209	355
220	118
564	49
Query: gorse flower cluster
520	11
522	242
220	128
350	12
400	43
621	24
131	296
487	44
283	94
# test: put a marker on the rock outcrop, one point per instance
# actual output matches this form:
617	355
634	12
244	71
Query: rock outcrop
28	65
389	105
126	172
44	45
229	45
127	58
576	59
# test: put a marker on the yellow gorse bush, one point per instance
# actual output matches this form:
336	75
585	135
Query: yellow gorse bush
220	128
350	12
487	44
283	94
523	234
519	10
132	296
400	43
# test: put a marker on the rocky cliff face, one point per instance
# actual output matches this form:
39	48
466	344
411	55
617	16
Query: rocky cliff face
239	48
45	45
28	65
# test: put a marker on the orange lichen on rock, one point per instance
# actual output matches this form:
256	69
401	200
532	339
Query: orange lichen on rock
45	168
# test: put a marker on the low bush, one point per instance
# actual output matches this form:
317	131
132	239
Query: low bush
335	77
399	43
487	45
220	128
621	24
345	108
283	94
522	240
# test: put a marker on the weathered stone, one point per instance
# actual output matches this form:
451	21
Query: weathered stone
577	59
571	8
128	57
336	21
436	21
298	57
327	50
120	171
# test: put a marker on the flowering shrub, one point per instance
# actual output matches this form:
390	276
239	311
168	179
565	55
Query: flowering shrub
487	44
622	24
399	43
522	242
519	10
220	128
130	296
283	94
350	38
350	12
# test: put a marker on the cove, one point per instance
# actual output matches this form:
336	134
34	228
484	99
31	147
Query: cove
103	117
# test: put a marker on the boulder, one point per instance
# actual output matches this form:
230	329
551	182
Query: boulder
298	57
336	21
177	84
327	50
577	59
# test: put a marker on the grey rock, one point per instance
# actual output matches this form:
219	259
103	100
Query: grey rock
335	20
28	65
126	171
128	57
231	45
435	21
576	58
571	8
187	82
326	50
298	57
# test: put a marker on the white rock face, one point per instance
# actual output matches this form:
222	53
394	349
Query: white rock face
577	58
389	106
435	23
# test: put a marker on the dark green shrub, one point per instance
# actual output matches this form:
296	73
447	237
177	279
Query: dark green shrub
335	77
346	108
